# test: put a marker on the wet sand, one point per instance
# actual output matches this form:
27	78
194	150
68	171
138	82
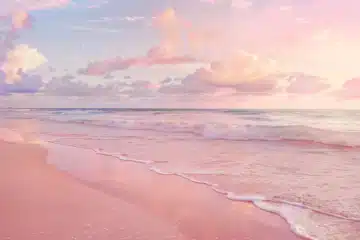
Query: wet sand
37	201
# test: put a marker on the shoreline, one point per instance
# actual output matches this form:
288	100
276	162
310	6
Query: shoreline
182	205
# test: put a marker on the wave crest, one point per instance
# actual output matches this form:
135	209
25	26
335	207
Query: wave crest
288	134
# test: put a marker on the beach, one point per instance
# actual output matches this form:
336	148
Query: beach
182	174
40	202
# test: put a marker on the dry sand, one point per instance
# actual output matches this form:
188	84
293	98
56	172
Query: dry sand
39	202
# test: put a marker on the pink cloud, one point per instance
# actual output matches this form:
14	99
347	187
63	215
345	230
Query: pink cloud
244	73
10	6
97	4
233	3
258	87
178	34
170	27
20	19
236	76
305	84
350	89
155	56
205	81
241	3
208	1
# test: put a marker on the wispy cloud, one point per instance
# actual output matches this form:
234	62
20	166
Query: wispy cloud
94	29
20	19
301	83
10	6
349	90
97	4
155	56
241	3
117	19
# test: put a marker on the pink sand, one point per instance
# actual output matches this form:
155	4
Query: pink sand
40	202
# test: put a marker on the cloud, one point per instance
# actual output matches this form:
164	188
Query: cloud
259	87
244	73
10	6
108	76
241	3
69	86
155	56
21	58
241	67
167	80
7	42
29	84
170	27
306	84
178	34
66	86
350	89
101	20
94	29
20	19
199	83
195	83
204	81
163	54
106	24
132	18
140	89
99	4
117	19
233	3
208	1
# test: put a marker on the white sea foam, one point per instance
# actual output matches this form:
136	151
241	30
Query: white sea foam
120	156
298	216
243	130
159	171
298	219
250	198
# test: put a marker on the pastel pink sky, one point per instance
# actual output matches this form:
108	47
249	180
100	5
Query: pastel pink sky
188	53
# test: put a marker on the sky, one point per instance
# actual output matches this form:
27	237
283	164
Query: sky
180	53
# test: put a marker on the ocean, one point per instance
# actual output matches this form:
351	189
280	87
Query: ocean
303	165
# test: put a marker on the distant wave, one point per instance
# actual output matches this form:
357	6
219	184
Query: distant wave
295	134
291	134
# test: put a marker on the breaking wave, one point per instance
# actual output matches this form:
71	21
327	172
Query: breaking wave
289	134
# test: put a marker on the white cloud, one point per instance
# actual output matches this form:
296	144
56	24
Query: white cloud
94	29
10	6
21	58
117	19
241	3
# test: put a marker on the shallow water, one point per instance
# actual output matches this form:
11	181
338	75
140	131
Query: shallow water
302	165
